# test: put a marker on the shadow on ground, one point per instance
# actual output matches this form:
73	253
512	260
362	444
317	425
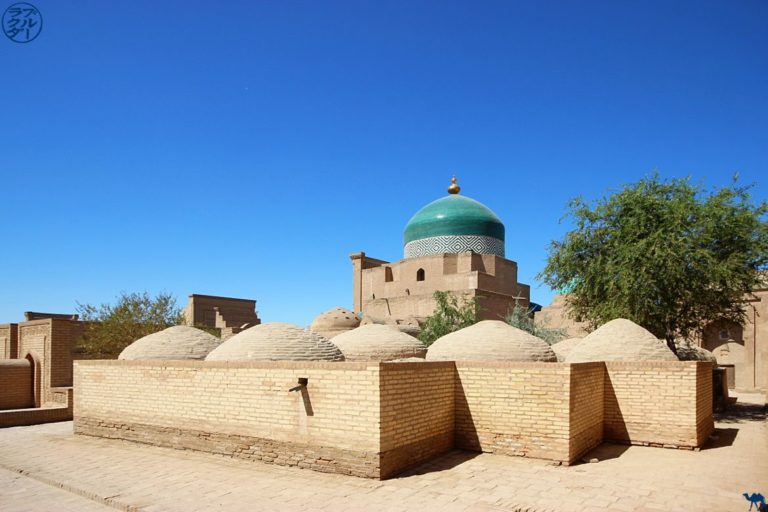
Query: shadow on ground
444	463
605	451
721	438
741	413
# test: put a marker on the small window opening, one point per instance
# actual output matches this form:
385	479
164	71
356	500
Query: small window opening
420	274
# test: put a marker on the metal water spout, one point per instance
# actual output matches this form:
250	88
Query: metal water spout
303	381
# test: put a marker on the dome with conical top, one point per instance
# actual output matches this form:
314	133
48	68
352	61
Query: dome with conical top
276	341
490	340
377	342
173	343
334	321
454	224
620	340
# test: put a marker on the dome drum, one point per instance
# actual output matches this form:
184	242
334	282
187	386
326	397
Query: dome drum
454	244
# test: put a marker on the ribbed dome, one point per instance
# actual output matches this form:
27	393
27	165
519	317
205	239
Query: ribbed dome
173	343
687	351
563	348
620	340
490	340
334	321
376	342
454	224
276	341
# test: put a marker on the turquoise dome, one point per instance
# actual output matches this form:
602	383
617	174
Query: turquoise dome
454	224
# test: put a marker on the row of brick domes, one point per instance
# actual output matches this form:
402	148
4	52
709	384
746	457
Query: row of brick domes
488	340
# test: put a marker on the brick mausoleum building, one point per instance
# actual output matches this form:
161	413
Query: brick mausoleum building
452	244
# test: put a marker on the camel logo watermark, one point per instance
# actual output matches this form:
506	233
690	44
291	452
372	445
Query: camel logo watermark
756	500
22	22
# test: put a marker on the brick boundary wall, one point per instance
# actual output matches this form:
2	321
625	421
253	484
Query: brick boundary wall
658	403
376	419
417	413
705	423
59	409
243	409
586	408
16	386
548	411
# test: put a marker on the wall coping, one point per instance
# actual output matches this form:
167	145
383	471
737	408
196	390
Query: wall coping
43	321
388	365
23	362
655	364
287	365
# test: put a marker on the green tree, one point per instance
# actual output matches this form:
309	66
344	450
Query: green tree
520	316
666	254
450	315
111	328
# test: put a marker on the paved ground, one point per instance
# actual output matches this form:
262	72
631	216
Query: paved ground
49	469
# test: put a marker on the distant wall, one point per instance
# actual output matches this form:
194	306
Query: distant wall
220	312
9	341
658	403
59	409
50	342
16	384
383	290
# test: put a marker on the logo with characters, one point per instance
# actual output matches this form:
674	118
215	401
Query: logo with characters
22	22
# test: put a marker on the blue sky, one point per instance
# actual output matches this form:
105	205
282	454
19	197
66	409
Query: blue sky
246	148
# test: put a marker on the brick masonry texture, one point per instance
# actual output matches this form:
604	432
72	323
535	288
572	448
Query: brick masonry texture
333	423
9	341
541	410
417	413
53	361
376	419
16	384
658	403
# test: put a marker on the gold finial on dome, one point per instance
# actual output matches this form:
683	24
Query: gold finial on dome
454	188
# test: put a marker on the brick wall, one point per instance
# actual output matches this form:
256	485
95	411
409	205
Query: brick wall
9	342
513	408
50	342
240	409
375	419
586	408
705	424
658	403
541	410
16	384
417	413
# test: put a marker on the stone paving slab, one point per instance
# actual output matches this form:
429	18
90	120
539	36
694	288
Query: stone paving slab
129	476
19	493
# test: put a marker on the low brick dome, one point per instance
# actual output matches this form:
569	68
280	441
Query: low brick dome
620	340
276	341
563	348
334	321
173	343
376	342
688	351
490	340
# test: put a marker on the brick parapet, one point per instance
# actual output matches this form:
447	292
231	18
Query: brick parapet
375	419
